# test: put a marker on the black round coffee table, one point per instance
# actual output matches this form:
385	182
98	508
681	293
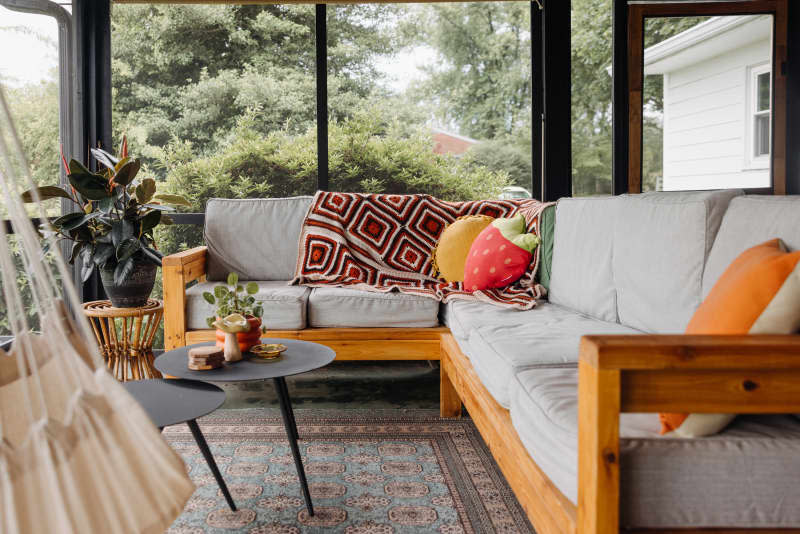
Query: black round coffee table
169	402
299	357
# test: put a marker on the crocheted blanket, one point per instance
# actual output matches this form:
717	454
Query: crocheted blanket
382	242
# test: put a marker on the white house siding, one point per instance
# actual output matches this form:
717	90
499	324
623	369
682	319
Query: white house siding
706	113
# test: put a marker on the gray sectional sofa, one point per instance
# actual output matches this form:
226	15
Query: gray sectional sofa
627	265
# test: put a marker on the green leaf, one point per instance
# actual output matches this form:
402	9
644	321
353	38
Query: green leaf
210	321
220	292
105	205
209	297
258	311
252	288
120	231
177	200
121	163
153	256
76	248
91	186
128	172
66	219
233	279
45	193
128	248
87	268
76	167
145	190
123	271
72	221
102	254
150	220
103	157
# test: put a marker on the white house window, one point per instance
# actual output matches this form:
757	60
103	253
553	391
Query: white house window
761	110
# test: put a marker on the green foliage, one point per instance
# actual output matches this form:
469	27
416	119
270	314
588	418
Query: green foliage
190	72
481	82
227	299
505	155
34	108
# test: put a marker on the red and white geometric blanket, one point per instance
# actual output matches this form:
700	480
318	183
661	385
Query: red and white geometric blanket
384	243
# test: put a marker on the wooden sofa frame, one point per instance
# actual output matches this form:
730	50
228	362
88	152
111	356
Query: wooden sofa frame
617	374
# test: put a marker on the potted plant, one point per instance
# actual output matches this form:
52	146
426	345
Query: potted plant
234	298
112	226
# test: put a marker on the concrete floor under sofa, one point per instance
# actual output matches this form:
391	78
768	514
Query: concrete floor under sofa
627	274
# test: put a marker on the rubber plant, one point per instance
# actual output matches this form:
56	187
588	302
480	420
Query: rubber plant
115	213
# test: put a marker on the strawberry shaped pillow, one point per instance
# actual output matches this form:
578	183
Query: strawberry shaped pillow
500	254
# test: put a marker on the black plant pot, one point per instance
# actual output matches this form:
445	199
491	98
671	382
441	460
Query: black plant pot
135	290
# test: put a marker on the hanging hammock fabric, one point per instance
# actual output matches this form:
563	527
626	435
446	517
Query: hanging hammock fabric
77	453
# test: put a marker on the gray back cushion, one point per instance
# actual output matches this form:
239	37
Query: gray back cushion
749	221
661	243
255	237
581	274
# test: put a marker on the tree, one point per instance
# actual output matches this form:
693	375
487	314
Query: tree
481	82
189	72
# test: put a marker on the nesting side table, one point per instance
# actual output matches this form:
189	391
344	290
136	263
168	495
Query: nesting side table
125	337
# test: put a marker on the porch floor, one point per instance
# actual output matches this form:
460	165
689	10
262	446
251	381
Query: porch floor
348	385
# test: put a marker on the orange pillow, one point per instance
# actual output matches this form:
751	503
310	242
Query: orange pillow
451	251
759	293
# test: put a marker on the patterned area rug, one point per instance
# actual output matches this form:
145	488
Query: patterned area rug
369	472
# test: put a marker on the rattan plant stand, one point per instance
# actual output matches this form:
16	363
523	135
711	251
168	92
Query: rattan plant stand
125	337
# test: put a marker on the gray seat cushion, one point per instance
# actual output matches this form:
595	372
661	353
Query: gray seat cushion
341	307
745	477
749	221
254	237
284	305
501	342
581	277
661	242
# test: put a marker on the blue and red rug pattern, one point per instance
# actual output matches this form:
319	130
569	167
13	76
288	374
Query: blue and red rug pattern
369	472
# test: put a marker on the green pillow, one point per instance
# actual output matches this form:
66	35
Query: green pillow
547	229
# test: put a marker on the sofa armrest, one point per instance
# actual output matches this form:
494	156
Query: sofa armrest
669	373
651	352
178	270
186	257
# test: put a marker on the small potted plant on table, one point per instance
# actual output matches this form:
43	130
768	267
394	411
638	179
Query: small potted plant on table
231	299
112	227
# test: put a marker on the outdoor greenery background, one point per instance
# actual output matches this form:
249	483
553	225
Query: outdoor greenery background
220	100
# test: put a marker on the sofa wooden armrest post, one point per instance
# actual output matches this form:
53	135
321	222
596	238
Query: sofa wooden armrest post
659	373
177	270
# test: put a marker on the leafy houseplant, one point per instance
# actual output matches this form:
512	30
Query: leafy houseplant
233	298
112	227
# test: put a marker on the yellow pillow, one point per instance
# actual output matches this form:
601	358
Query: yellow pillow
451	251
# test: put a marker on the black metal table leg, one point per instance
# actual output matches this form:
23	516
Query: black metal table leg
201	442
291	432
285	392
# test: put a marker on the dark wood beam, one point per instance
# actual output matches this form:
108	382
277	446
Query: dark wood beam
619	142
322	96
537	98
557	59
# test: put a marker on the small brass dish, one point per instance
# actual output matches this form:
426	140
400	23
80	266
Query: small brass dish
269	351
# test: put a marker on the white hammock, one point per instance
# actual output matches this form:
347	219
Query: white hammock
77	453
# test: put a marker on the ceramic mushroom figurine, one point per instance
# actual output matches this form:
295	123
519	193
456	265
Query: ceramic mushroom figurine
232	325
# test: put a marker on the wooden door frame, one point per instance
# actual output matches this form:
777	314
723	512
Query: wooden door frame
638	12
